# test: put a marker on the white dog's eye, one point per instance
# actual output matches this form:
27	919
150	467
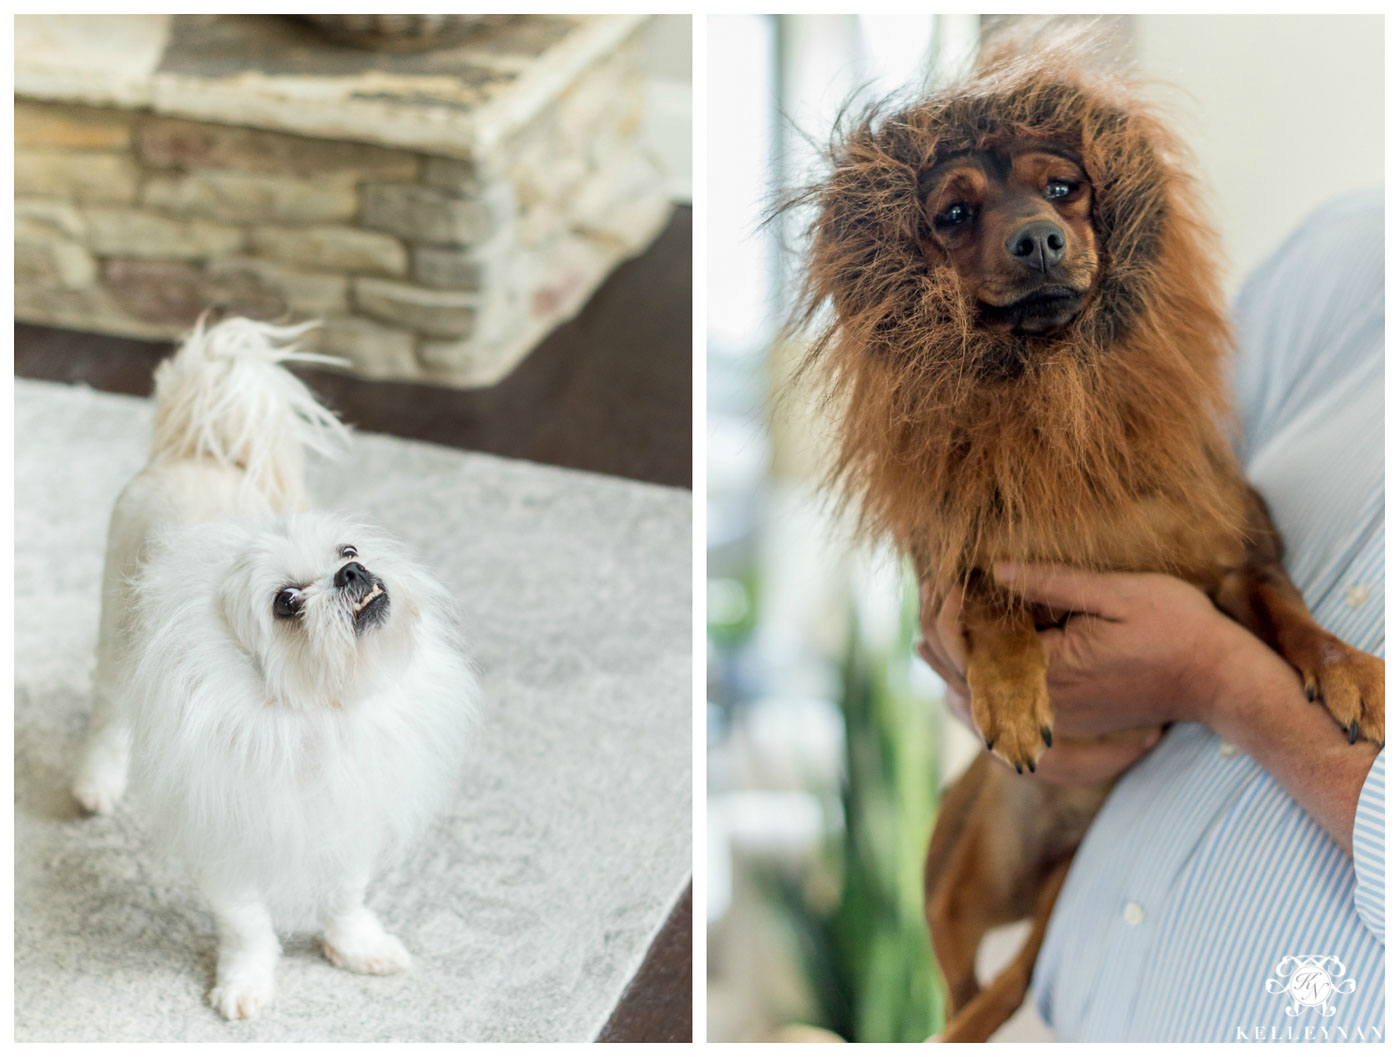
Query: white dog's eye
287	603
348	552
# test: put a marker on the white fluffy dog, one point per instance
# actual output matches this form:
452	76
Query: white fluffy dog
289	690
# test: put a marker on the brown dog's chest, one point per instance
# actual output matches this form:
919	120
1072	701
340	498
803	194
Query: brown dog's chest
1153	535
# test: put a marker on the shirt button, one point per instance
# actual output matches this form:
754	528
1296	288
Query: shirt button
1356	595
1228	750
1133	914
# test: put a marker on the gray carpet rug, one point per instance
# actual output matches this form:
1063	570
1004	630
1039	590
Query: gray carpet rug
530	907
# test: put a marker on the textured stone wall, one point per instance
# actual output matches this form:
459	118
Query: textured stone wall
421	267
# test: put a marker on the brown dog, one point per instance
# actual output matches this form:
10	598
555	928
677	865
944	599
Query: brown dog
1026	352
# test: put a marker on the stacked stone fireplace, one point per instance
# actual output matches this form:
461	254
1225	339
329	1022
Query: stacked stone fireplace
439	212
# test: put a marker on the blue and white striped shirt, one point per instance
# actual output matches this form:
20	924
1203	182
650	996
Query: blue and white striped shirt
1201	874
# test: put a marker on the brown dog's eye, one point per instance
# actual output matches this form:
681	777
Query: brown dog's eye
956	213
1059	189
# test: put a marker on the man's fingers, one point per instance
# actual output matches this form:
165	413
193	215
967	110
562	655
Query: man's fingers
954	678
1065	587
936	660
959	705
925	600
942	646
1090	762
949	629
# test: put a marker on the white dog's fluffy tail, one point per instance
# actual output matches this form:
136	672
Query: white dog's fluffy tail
226	397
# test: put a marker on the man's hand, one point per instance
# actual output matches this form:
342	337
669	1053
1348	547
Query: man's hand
1142	650
1138	651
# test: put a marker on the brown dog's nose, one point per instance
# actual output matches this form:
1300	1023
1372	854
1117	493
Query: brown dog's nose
1038	246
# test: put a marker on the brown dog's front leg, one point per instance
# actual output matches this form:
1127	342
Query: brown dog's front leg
1006	675
1260	596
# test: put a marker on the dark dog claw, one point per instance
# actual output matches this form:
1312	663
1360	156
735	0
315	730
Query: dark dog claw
1019	769
1311	692
1048	736
1031	765
988	743
1354	731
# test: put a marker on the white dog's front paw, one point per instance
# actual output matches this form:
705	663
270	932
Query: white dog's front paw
367	951
106	757
243	995
98	788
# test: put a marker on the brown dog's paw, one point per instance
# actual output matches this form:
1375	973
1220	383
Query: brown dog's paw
1346	682
1015	719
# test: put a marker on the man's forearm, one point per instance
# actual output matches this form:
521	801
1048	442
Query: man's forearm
1266	714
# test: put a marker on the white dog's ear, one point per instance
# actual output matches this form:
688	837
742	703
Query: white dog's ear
236	607
238	596
232	602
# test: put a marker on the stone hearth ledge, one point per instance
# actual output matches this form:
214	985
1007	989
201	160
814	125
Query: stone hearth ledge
115	60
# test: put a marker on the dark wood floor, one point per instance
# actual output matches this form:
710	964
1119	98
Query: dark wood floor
609	392
649	1010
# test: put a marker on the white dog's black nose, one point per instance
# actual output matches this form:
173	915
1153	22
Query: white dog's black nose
353	573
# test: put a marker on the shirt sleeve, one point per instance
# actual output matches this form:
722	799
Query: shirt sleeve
1367	839
1307	312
